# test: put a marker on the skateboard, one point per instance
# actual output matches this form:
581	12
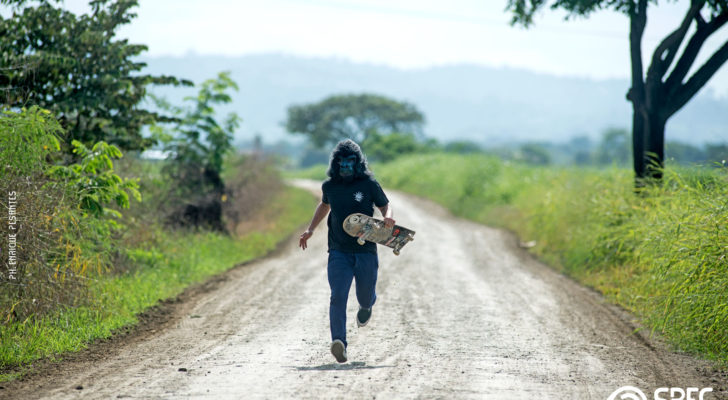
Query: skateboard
366	228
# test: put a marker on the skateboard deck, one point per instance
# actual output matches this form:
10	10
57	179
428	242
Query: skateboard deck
366	228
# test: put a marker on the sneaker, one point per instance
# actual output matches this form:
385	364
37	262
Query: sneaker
363	316
338	350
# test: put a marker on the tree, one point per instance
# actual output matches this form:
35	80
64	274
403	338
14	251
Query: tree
684	153
534	154
666	87
353	117
462	147
716	153
614	147
580	147
74	66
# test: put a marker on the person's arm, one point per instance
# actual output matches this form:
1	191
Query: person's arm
387	214
322	210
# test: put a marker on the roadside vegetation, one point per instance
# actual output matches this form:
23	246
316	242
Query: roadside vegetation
661	254
90	256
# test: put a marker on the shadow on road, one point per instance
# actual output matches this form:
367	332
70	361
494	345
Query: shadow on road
342	367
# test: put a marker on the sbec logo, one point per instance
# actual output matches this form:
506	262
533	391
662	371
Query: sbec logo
674	393
628	393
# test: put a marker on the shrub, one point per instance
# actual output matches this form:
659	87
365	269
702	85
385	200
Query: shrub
94	181
252	182
35	212
57	223
198	145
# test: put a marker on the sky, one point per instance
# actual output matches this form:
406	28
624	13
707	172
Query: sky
405	33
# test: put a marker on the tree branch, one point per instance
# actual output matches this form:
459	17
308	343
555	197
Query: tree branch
674	81
523	11
724	5
671	44
698	80
700	21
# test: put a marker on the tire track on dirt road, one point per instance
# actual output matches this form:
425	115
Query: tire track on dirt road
462	313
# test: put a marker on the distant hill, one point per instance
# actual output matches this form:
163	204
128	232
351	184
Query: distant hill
484	104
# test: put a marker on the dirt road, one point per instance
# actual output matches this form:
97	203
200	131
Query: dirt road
462	313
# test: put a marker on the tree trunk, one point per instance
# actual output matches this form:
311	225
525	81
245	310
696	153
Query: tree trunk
639	123
655	146
654	131
664	90
636	94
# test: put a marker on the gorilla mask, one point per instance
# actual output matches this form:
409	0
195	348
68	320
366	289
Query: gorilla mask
346	167
348	163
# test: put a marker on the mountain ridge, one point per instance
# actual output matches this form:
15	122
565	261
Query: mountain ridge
488	105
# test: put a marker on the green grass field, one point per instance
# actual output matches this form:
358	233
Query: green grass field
662	255
163	272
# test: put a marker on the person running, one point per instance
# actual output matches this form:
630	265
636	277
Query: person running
350	188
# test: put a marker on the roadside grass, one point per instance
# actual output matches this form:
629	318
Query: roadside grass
162	271
661	254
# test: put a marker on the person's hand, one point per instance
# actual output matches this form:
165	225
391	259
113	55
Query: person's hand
389	222
302	242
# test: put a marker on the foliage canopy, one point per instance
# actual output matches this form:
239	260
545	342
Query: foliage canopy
353	117
75	67
524	10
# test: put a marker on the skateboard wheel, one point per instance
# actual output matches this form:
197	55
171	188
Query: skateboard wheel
360	241
396	252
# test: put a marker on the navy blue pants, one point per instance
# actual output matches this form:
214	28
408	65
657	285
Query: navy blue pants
342	268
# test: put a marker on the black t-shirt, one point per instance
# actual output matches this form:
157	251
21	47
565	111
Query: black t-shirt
359	196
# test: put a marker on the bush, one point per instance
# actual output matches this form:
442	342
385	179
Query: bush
57	214
94	181
388	147
35	226
28	138
252	182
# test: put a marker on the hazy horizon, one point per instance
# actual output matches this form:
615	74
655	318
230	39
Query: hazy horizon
712	90
463	101
406	34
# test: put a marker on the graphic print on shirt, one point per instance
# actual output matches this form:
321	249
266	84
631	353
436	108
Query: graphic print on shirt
359	196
